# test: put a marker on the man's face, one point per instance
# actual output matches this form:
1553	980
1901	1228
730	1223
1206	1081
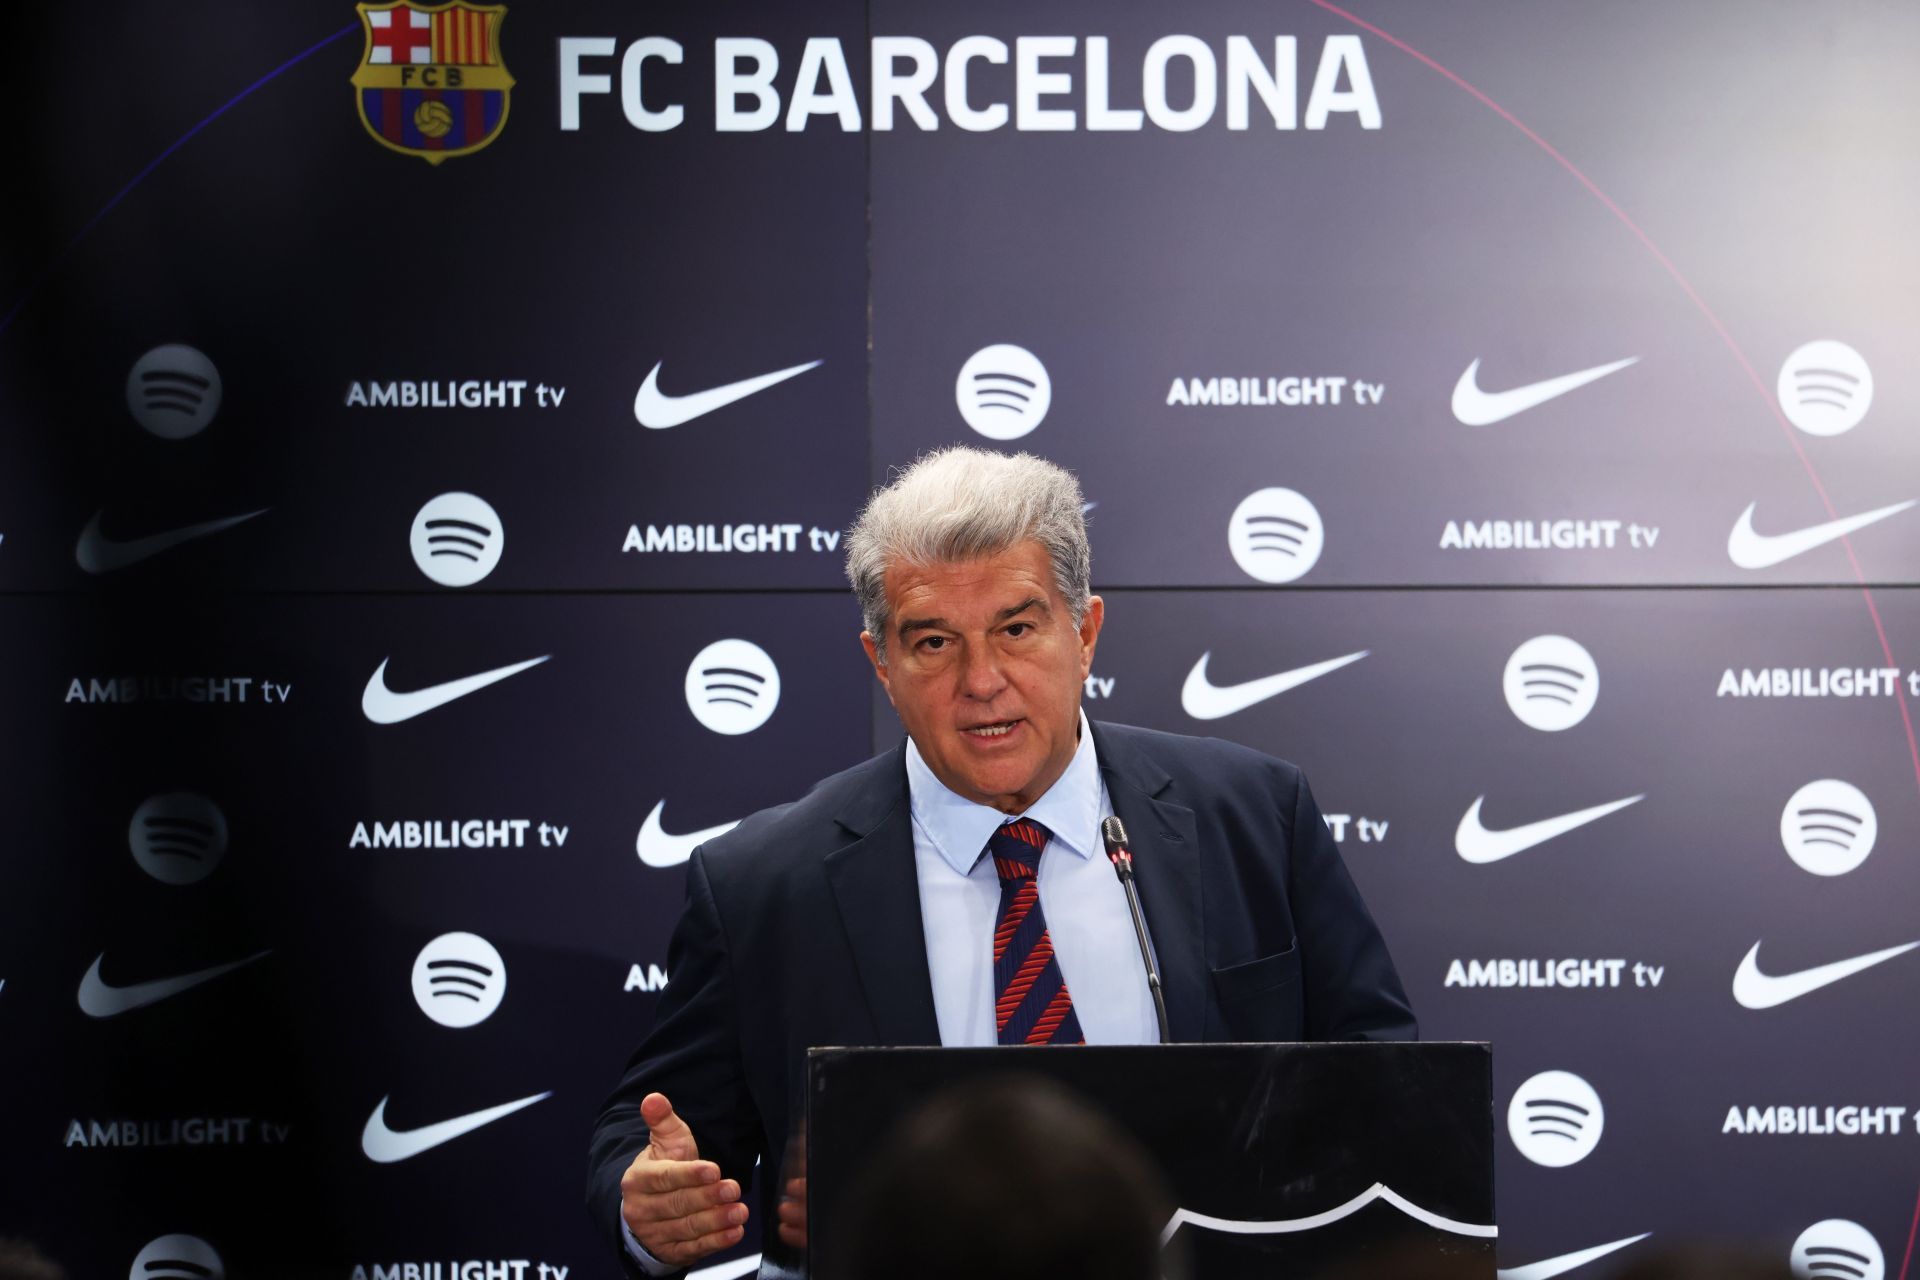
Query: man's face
985	667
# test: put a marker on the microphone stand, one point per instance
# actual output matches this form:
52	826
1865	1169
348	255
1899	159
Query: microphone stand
1113	833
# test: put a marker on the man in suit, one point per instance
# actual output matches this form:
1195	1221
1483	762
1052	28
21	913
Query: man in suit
952	891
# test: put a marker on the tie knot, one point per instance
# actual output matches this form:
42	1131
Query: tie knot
1016	848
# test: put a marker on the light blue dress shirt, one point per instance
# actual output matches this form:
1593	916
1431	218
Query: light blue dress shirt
1085	906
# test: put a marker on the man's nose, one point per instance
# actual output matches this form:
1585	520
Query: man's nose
980	674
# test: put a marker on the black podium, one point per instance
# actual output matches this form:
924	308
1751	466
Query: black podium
1299	1160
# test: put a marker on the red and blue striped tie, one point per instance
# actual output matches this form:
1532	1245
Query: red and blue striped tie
1033	1007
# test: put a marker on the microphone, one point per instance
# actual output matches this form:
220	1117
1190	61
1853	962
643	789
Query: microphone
1113	833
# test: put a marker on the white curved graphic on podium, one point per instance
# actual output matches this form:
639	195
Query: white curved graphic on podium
1378	1191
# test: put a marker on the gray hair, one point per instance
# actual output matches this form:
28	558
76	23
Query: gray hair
963	504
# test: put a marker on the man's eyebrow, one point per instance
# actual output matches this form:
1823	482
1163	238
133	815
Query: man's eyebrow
921	624
941	624
1031	602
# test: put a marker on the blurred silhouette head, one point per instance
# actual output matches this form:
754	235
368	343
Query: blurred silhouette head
21	1260
1011	1178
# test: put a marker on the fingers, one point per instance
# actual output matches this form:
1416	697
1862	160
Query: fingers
649	1175
792	1213
683	1222
680	1212
714	1221
669	1135
718	1201
677	1205
691	1251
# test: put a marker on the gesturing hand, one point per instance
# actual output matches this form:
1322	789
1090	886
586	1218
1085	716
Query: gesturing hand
677	1205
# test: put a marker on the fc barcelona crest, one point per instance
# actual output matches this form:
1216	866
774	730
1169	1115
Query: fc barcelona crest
431	82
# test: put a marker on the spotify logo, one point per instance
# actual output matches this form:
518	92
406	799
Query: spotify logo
1551	683
1003	391
178	1257
459	979
1555	1119
457	539
732	686
1828	827
1825	388
1838	1250
1275	535
178	837
173	391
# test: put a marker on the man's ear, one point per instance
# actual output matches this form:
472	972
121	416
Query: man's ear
879	664
1090	624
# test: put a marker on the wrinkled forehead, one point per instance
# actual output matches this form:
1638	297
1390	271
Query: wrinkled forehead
973	587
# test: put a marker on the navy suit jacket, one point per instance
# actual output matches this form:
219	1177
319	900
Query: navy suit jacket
802	928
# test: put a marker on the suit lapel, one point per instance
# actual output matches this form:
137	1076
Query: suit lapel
877	891
1166	868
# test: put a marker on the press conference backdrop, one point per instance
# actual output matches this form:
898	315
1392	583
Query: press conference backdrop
430	434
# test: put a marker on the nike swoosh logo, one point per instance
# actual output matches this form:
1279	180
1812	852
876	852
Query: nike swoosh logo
657	411
1477	408
384	706
1757	990
1547	1268
386	1146
1750	550
97	553
1478	845
1204	700
100	1000
659	849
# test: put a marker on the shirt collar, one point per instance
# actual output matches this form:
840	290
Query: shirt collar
959	828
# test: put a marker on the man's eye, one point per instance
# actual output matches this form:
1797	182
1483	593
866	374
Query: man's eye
1018	629
933	644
